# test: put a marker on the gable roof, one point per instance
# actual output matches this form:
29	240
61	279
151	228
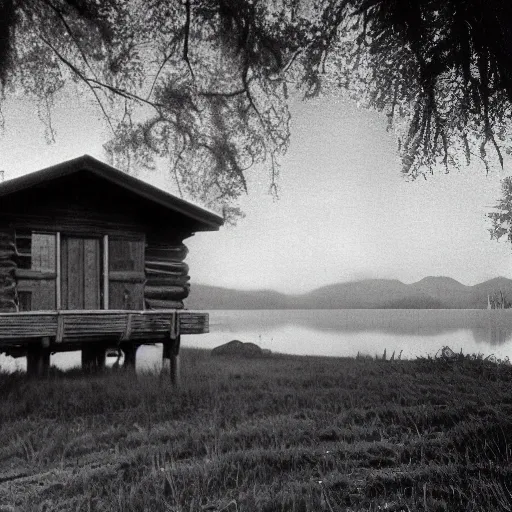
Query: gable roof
208	221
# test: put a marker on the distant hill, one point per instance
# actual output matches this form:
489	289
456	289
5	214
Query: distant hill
429	293
214	297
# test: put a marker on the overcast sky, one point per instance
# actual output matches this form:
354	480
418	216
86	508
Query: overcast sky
344	212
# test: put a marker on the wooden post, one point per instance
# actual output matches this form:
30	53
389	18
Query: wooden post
44	358
101	357
171	360
175	369
43	362
166	364
32	356
58	283
38	358
105	273
171	351
88	358
130	356
93	357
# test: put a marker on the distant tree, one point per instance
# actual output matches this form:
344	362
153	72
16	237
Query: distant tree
203	84
501	217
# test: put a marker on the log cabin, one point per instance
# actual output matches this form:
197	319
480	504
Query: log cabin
93	258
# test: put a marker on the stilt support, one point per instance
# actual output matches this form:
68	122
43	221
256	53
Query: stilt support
93	357
171	360
175	370
38	358
101	357
130	356
171	351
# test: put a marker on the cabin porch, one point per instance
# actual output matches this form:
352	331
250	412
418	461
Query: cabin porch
37	334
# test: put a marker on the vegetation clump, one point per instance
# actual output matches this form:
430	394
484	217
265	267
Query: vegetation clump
277	433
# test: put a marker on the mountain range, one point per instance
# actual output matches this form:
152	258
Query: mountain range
429	293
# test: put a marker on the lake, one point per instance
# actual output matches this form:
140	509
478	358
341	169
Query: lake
346	332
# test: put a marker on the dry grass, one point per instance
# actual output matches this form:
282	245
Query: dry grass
279	433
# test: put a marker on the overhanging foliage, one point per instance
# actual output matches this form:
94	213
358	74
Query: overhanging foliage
204	84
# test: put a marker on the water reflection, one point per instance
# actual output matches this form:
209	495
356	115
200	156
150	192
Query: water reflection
346	332
492	327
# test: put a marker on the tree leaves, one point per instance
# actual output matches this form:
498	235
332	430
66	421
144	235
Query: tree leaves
501	218
203	85
443	67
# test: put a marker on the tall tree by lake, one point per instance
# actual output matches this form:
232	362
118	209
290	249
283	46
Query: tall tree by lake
204	85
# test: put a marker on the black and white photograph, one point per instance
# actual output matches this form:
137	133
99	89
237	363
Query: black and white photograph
255	255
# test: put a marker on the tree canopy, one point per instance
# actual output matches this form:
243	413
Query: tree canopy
203	84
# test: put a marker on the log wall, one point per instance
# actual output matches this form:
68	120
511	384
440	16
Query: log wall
8	292
83	205
164	279
167	279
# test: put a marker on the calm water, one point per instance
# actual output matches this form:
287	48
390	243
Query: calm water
341	333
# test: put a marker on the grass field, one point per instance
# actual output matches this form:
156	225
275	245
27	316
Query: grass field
279	433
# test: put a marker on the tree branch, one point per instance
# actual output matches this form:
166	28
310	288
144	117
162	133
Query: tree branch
230	94
71	33
101	85
83	78
185	42
164	62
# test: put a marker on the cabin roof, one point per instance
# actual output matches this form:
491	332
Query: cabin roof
206	219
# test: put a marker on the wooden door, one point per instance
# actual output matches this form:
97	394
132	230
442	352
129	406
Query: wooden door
80	273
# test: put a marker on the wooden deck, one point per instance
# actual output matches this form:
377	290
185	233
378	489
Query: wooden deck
67	328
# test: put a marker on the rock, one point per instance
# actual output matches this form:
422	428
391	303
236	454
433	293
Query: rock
240	349
448	353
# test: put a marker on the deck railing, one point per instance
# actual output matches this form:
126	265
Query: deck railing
68	326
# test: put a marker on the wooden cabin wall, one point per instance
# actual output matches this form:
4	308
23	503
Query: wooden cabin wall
167	279
146	249
8	295
126	272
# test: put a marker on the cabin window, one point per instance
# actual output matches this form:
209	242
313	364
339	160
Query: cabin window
43	252
36	251
24	248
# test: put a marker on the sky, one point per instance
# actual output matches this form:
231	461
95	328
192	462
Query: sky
344	211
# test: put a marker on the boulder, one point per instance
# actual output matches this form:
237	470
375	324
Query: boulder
240	349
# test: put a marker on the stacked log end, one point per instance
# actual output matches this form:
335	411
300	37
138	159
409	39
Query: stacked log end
166	276
8	296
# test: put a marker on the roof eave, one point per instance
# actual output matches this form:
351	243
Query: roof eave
159	196
206	220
